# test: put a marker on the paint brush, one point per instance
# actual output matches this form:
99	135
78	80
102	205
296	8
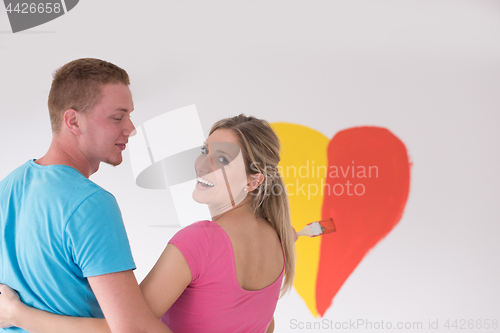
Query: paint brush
318	228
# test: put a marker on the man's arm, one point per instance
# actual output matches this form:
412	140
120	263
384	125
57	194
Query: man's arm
14	313
119	297
39	321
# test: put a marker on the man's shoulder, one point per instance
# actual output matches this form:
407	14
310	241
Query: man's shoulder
14	178
80	190
16	172
56	183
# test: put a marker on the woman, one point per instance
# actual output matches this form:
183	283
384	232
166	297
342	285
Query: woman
225	275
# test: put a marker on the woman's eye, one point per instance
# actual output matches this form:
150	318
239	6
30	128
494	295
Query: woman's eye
204	150
117	119
223	160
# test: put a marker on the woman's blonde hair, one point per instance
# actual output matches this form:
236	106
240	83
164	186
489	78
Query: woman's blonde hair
261	153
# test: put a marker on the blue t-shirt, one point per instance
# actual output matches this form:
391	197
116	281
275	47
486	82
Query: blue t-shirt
56	229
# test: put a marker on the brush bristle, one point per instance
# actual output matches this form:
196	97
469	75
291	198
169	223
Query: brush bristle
327	226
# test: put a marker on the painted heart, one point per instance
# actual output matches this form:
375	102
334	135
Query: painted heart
361	179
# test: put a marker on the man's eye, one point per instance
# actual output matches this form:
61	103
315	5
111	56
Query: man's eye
117	118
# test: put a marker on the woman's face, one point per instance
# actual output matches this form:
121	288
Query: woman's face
220	171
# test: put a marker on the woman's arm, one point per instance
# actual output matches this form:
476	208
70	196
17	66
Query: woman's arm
14	313
270	328
166	281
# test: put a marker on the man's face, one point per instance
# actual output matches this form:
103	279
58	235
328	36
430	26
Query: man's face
107	126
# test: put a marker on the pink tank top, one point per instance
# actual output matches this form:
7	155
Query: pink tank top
214	301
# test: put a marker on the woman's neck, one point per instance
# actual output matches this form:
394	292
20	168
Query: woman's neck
244	209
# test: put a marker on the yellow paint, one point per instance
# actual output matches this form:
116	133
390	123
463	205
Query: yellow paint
306	148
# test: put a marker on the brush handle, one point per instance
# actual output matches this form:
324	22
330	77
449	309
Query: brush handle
305	232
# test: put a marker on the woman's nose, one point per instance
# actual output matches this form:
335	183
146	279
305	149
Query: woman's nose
203	165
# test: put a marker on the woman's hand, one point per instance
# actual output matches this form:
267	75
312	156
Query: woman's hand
9	305
295	237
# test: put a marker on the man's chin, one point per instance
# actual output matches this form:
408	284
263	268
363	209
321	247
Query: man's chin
114	162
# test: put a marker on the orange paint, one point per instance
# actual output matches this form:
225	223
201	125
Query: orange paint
370	204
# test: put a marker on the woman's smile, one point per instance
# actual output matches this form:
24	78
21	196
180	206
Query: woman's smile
203	184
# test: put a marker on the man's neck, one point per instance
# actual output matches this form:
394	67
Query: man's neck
61	153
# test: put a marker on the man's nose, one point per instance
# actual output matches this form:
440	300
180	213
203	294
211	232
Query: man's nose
129	128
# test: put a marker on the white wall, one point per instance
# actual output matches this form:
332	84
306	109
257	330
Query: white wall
429	71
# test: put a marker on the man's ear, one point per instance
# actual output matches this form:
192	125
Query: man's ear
72	121
255	181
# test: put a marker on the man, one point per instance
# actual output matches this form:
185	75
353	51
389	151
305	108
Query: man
63	245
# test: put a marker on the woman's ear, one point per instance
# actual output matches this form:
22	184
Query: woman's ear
254	181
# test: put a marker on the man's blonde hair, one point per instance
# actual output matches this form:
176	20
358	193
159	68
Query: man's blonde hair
78	85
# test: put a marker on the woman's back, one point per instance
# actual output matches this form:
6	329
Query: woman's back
238	261
257	250
215	301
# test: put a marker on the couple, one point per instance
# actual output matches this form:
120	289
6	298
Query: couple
63	243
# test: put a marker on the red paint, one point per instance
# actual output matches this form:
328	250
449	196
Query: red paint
361	220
